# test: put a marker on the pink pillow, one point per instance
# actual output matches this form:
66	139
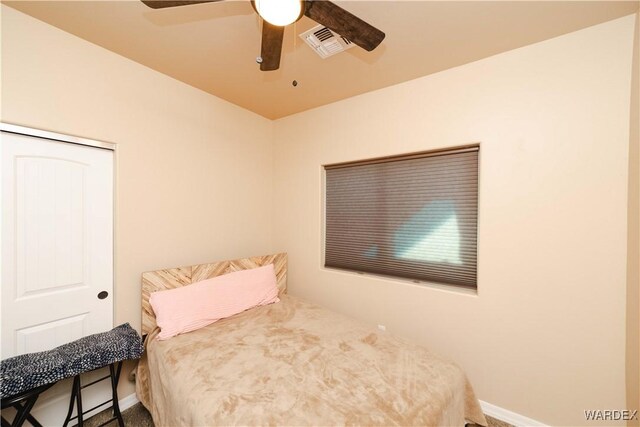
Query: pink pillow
200	304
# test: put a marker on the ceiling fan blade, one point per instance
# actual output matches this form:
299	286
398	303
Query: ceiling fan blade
344	23
161	4
272	37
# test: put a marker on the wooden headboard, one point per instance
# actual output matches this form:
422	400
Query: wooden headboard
171	278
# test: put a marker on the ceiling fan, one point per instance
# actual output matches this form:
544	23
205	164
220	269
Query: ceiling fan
276	14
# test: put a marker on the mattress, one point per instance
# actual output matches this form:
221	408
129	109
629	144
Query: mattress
294	363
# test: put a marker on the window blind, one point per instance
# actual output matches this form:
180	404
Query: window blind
413	217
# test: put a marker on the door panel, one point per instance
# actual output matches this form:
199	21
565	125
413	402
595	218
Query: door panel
50	225
50	334
57	250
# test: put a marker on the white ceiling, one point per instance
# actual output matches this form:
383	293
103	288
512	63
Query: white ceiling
213	46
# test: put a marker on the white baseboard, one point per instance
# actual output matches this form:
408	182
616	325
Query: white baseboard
128	401
507	416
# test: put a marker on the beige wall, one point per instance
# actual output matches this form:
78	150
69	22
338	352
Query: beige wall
633	244
194	173
545	335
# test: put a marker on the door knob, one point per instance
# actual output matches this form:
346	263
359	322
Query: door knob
103	295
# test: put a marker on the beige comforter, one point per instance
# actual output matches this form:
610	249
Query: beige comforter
293	364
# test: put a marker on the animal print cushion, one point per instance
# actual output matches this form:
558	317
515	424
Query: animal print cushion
27	371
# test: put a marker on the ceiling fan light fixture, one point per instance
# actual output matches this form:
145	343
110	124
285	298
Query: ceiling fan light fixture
279	12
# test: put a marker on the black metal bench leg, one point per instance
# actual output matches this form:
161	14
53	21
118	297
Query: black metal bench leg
27	411
33	421
76	397
23	411
23	403
72	401
78	400
115	377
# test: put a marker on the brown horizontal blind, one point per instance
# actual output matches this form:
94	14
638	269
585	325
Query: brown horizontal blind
412	217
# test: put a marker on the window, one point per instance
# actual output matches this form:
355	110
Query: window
412	216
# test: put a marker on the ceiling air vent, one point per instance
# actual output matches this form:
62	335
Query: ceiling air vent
325	42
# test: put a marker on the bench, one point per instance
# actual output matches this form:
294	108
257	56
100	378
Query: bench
23	378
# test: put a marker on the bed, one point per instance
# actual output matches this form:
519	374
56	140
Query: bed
291	363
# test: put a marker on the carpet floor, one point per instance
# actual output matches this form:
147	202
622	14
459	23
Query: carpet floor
138	416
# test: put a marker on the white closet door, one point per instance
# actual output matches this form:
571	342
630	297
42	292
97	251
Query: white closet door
57	244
